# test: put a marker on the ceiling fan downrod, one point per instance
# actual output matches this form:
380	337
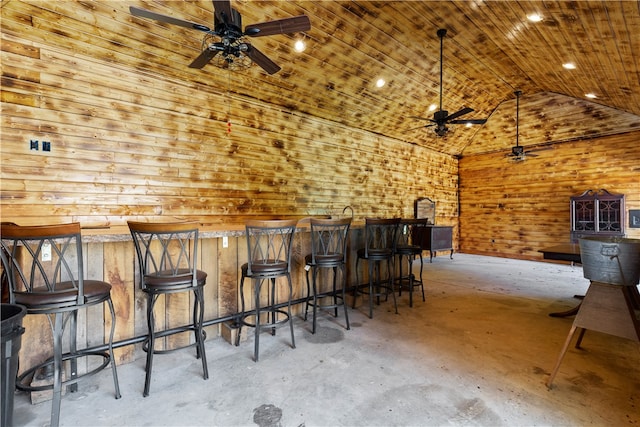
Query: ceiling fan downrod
441	33
517	94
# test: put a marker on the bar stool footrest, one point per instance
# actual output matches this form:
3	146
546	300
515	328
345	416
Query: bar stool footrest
26	375
162	334
384	291
405	282
266	311
326	306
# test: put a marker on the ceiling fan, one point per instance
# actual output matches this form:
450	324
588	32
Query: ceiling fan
518	153
442	118
227	45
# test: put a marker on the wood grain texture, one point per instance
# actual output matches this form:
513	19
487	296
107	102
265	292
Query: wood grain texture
136	134
117	259
514	209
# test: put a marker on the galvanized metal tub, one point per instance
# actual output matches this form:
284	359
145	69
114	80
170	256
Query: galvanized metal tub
613	260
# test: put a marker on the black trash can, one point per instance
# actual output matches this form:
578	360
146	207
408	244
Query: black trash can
12	331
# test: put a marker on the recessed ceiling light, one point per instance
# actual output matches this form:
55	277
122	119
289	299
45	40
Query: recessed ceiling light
569	66
380	83
534	17
299	46
590	95
433	107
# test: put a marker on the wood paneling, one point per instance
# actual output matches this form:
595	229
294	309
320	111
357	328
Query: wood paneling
115	261
491	49
136	134
127	145
548	118
514	209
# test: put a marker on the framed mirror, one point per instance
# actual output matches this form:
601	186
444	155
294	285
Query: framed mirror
424	207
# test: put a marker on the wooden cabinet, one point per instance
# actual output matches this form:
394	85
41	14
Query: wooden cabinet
432	238
437	238
597	213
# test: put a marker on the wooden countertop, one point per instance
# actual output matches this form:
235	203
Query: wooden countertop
119	233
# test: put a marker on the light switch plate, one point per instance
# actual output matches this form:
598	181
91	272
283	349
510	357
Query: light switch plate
46	252
634	218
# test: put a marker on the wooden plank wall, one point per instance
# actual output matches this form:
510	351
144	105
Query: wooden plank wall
514	209
128	144
130	141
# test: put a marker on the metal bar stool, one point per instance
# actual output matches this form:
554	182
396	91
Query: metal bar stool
167	257
328	251
410	232
269	258
380	240
45	271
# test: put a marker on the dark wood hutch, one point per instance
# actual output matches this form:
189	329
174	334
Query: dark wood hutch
597	213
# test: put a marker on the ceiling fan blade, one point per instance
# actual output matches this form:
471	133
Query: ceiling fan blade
470	121
422	118
223	11
420	127
204	58
262	60
457	114
295	24
539	149
136	11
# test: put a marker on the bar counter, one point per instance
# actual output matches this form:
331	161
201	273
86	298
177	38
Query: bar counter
110	256
121	233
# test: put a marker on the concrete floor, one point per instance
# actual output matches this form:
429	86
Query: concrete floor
477	352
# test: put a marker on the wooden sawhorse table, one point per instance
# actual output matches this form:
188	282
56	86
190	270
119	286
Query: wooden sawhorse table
611	309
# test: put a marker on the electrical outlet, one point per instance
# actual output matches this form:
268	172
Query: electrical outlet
45	253
46	146
225	242
33	144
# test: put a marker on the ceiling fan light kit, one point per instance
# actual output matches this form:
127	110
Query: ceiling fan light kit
227	46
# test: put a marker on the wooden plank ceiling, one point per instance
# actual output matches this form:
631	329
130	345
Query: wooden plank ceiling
491	50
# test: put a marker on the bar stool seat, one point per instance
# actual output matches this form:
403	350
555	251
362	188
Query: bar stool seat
165	281
66	295
323	259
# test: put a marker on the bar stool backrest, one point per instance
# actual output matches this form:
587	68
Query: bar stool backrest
269	246
380	235
44	261
329	239
166	251
410	232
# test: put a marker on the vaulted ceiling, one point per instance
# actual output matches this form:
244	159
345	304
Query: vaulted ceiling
491	49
